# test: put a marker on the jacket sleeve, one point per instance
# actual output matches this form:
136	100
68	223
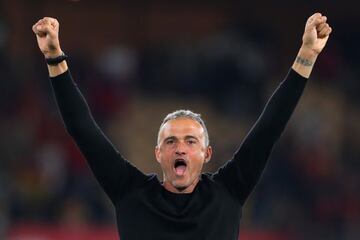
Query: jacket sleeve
115	174
243	171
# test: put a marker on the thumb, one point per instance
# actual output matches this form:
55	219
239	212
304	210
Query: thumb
47	26
313	19
316	20
44	30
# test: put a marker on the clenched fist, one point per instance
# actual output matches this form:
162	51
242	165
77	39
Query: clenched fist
47	34
316	33
314	39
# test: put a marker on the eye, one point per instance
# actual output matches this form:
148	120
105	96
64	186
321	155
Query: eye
191	141
169	141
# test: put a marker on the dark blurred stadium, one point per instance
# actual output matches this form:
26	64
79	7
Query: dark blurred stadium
135	61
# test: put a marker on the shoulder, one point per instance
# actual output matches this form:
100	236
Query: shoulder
208	180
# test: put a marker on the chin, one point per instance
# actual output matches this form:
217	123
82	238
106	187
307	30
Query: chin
180	186
183	184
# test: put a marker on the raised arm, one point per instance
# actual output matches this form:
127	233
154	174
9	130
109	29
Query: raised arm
316	34
114	174
241	174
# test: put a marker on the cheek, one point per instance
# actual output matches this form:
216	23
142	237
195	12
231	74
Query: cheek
164	154
198	154
198	160
165	158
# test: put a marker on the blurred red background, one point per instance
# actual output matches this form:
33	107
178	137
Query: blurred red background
135	61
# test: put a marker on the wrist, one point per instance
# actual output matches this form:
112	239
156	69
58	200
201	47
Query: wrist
304	61
55	70
53	54
56	63
307	52
56	60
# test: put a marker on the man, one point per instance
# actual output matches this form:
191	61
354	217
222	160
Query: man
187	204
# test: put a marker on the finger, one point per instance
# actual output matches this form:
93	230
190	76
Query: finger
321	27
322	20
46	21
36	29
313	17
39	33
318	21
35	25
325	32
315	20
52	21
324	29
43	29
330	30
46	25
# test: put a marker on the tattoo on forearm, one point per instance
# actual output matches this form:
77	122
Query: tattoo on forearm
304	61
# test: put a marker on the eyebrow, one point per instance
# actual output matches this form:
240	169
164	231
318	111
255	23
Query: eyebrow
190	136
169	138
186	137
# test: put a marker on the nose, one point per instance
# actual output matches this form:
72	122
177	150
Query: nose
180	149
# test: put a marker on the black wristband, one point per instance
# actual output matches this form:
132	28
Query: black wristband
56	60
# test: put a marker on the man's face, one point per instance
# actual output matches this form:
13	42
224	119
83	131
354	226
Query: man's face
181	152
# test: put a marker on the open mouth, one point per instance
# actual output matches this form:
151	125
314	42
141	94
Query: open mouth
180	167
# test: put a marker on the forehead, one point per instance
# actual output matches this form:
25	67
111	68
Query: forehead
181	126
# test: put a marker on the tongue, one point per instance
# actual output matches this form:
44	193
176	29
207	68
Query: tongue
180	170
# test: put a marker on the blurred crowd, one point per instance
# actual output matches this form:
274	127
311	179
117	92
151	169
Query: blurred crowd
310	186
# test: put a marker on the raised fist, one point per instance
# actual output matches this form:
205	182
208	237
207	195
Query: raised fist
316	33
47	34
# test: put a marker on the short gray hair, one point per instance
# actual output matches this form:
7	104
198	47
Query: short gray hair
185	114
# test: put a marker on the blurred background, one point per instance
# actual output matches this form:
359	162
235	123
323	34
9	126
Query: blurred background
135	61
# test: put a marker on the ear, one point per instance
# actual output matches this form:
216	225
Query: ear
208	154
157	154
